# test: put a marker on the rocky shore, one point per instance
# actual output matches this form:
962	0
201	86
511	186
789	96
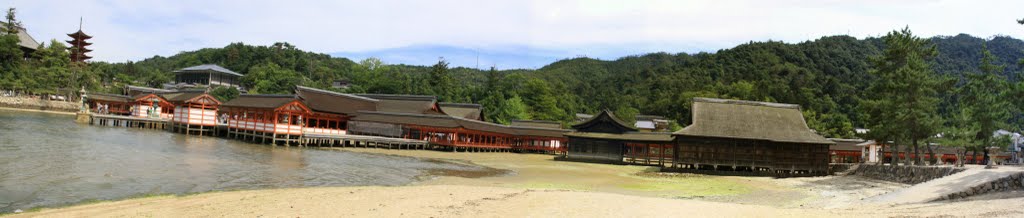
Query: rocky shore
38	104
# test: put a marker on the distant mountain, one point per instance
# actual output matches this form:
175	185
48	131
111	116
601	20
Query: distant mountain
481	58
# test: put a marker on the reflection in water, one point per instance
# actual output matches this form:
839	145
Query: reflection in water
48	160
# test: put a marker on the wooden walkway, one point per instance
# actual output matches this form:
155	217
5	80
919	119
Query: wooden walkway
305	139
129	121
334	140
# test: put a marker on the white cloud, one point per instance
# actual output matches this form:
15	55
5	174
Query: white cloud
132	30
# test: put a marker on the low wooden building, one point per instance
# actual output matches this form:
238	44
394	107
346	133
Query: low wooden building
332	110
131	90
457	133
207	75
846	151
152	106
605	138
748	137
115	104
263	118
194	111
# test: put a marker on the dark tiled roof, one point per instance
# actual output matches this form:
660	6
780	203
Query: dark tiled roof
649	117
334	102
463	110
412	104
208	67
846	144
182	96
629	136
777	122
539	131
399	97
260	101
407	118
109	97
601	116
445	121
136	90
536	123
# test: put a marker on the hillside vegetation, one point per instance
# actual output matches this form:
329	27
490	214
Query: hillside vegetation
828	77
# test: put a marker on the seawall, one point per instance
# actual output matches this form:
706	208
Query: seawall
38	104
904	174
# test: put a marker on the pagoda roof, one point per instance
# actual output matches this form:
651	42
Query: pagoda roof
80	55
208	67
74	43
79	35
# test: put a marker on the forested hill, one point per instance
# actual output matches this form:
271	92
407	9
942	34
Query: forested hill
825	76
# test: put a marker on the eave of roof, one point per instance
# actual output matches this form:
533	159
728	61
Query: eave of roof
208	67
608	114
148	89
260	101
629	136
399	97
109	97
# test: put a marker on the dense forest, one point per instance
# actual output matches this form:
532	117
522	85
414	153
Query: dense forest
829	77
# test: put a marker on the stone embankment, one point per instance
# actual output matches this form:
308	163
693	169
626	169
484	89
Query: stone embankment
904	174
38	104
1009	183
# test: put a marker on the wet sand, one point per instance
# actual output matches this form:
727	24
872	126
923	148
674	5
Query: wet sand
535	185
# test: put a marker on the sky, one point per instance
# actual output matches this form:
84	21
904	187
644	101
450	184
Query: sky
502	33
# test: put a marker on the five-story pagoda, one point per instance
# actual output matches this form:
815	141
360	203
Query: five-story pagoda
78	46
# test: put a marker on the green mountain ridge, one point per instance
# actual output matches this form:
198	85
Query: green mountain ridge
825	76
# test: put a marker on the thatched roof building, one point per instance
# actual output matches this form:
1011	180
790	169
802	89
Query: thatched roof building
749	136
776	122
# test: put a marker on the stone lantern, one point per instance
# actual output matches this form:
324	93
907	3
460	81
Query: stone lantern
992	157
83	111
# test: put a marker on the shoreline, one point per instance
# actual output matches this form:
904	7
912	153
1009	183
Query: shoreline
36	110
536	185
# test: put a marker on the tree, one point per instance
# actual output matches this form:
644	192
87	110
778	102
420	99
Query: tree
11	56
269	78
13	25
440	80
224	93
906	99
985	95
541	98
512	109
627	114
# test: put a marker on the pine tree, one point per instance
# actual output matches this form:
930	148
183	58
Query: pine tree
440	80
905	103
985	94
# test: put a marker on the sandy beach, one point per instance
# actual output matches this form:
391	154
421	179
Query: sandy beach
537	186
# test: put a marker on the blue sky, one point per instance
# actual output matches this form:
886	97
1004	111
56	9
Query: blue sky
504	33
